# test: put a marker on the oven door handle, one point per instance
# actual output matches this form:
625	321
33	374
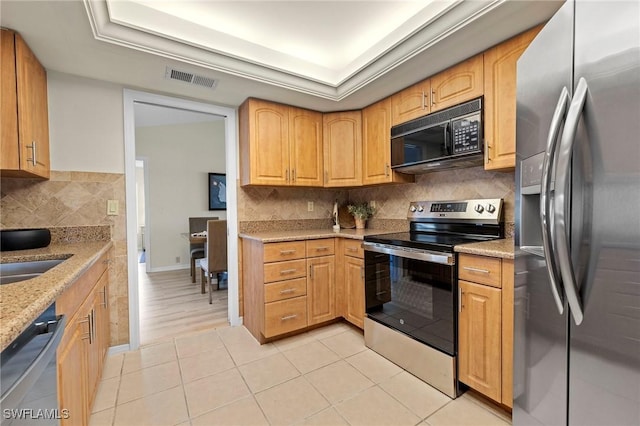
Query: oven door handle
417	254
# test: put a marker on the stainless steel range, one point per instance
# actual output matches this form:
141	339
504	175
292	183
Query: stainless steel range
411	286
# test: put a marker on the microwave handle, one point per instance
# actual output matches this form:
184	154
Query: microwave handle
447	149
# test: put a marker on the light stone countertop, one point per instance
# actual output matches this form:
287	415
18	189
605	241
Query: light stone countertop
311	234
496	248
24	301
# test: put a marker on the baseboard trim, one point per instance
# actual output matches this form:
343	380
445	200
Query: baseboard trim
114	350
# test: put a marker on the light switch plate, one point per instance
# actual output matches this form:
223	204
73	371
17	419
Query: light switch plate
112	207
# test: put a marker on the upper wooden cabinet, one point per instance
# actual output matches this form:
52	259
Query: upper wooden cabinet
24	110
457	84
500	100
410	103
280	145
342	135
376	145
305	145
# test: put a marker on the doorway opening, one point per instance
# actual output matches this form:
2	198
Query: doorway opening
173	191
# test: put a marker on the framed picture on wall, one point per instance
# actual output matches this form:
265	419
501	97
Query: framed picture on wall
217	191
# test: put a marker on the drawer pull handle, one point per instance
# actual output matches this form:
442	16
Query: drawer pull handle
288	271
352	249
288	317
288	290
322	248
380	293
481	271
286	252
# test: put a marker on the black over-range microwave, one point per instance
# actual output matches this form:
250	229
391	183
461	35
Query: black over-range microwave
446	139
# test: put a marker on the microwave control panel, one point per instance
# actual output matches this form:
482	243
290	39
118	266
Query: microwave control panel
466	134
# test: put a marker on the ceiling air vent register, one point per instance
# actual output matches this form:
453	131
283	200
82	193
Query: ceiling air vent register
191	78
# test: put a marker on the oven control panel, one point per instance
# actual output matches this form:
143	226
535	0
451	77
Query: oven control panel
488	210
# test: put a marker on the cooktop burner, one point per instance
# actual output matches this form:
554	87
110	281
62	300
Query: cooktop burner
438	242
441	225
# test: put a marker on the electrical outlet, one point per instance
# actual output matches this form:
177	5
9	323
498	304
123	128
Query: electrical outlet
177	259
309	206
372	204
112	207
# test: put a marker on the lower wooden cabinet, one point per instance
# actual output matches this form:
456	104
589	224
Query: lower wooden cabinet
350	281
485	326
287	286
290	286
85	342
72	386
354	288
479	334
321	287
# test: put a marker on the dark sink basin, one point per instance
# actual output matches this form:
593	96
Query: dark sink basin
21	271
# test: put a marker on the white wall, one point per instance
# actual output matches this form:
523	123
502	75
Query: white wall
179	158
85	124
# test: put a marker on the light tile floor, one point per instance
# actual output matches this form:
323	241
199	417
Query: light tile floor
224	377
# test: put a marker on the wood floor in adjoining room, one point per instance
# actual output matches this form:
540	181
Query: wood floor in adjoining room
171	305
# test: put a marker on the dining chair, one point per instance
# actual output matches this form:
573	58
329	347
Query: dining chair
196	251
214	264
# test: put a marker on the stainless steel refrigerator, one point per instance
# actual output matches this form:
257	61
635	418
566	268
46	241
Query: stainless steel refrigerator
577	284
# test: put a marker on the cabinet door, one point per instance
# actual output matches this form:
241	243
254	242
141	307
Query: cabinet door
101	306
410	103
321	289
305	147
10	158
264	143
507	331
479	338
354	286
72	377
457	84
500	64
33	112
342	136
376	143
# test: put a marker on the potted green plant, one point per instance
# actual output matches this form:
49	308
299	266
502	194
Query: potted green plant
361	212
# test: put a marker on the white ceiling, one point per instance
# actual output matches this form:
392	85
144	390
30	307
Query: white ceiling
317	54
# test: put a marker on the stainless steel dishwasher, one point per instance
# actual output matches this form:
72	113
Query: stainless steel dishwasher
28	376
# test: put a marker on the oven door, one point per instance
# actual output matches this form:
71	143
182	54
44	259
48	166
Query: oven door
414	293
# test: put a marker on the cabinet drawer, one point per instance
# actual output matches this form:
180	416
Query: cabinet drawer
480	269
353	248
279	271
275	252
285	290
324	247
285	316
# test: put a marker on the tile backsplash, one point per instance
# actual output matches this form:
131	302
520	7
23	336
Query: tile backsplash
280	204
72	204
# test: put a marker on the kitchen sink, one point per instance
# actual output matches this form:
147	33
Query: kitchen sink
20	271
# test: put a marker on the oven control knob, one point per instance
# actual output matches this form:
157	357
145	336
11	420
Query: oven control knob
479	208
420	209
412	208
491	208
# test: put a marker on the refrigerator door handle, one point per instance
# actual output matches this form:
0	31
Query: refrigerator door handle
563	179
548	234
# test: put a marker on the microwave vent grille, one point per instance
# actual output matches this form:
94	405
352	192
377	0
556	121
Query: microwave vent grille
437	117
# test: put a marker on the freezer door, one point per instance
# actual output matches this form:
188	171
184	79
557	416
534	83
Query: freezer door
540	331
604	357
